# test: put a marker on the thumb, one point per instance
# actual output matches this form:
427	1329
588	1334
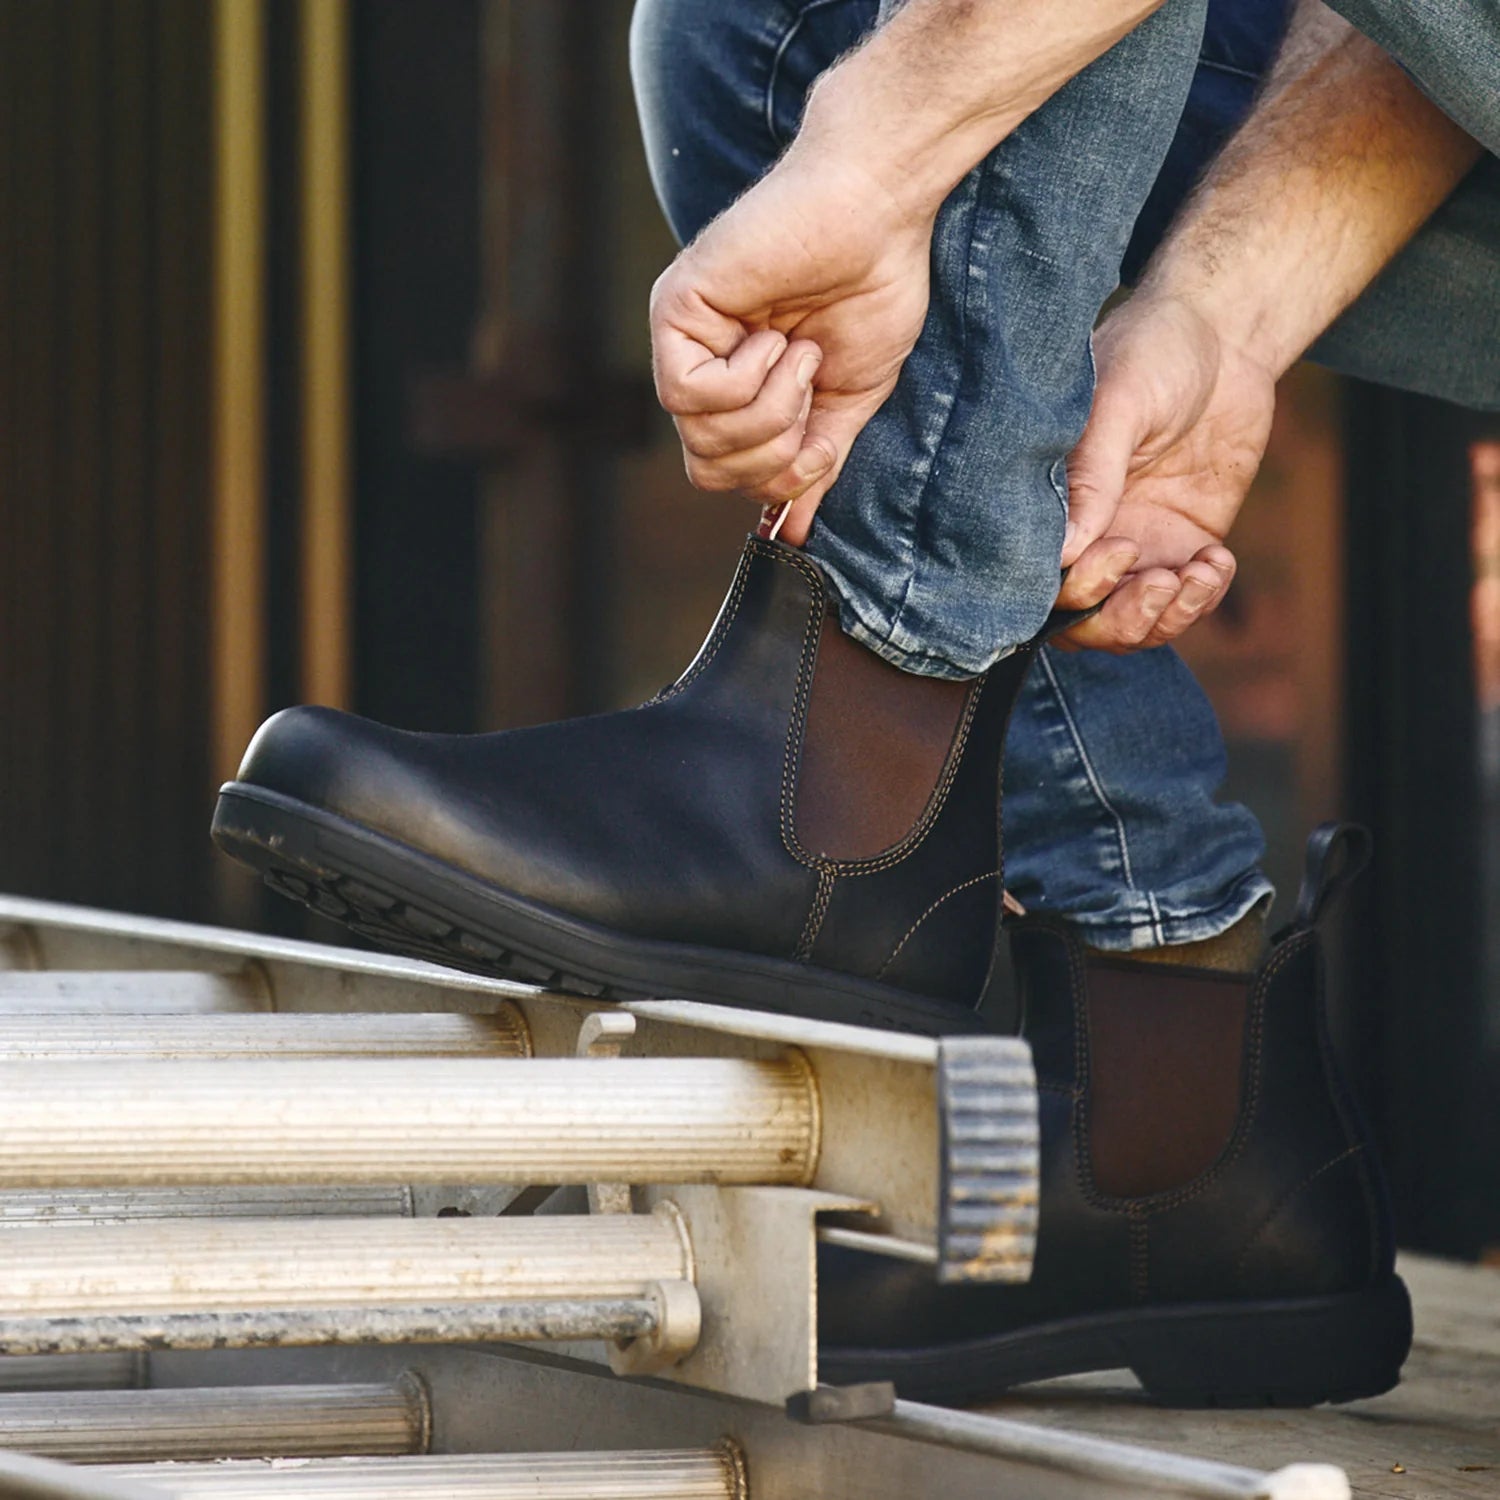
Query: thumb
1097	470
825	449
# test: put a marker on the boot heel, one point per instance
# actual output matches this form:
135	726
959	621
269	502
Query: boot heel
1294	1353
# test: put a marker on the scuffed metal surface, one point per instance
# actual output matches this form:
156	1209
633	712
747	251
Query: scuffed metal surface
991	1168
559	1319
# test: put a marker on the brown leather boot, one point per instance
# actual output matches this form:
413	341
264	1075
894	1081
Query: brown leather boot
793	825
1213	1213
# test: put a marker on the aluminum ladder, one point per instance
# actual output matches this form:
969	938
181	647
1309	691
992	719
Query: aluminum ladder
283	1219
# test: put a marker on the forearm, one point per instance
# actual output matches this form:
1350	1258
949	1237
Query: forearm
1337	167
933	91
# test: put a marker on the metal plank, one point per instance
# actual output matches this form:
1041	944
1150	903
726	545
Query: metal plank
25	1478
318	976
27	992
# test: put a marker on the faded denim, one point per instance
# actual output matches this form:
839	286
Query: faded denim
942	535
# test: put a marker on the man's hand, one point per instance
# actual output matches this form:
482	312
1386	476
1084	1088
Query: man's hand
1177	432
778	333
826	258
1338	166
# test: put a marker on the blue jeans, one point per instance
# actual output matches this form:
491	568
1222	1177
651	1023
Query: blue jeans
942	535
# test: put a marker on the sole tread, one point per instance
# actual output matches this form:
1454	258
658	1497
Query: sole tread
402	927
411	903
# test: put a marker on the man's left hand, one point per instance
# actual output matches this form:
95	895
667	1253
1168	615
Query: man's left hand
1178	429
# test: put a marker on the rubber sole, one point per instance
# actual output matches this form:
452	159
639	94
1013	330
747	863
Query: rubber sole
1294	1353
416	905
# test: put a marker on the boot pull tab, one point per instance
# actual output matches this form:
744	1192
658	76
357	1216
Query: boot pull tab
1337	854
1058	621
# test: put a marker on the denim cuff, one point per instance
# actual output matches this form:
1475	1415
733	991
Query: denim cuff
1139	919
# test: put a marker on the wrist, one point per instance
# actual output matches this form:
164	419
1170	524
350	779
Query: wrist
1157	328
1246	322
913	152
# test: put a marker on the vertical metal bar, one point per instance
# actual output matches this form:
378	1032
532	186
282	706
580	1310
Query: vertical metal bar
239	361
324	52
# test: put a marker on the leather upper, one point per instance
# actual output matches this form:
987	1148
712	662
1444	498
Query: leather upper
677	820
1293	1205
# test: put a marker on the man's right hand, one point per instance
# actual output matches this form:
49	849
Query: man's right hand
1336	168
778	333
827	256
1177	432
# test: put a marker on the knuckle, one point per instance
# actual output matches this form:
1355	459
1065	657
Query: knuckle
672	395
778	489
762	476
706	476
785	448
701	439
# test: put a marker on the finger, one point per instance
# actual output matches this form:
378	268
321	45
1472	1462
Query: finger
691	378
1097	470
825	447
781	404
1203	588
1097	573
754	467
1129	614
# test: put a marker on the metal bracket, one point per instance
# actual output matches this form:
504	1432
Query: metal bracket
679	1324
990	1157
755	1267
603	1034
19	948
843	1403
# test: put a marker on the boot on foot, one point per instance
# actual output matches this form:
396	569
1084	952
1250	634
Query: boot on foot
794	825
1213	1214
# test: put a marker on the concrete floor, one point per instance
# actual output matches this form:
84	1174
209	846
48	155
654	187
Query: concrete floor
1436	1435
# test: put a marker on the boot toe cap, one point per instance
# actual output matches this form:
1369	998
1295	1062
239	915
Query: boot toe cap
319	756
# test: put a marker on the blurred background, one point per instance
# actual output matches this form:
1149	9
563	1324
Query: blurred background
324	376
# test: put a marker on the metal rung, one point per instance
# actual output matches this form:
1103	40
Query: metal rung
30	1208
576	1120
62	1038
555	1321
53	1282
130	992
703	1474
716	1473
219	1422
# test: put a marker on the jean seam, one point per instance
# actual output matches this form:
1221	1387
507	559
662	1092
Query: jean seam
1090	774
981	176
775	74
